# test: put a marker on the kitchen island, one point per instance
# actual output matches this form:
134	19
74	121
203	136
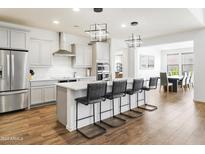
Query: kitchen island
66	94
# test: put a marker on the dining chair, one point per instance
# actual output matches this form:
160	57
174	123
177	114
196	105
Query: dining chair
188	80
183	83
165	82
192	80
170	73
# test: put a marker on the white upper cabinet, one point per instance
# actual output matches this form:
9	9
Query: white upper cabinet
13	39
34	53
4	38
40	52
18	39
88	56
45	53
83	56
102	52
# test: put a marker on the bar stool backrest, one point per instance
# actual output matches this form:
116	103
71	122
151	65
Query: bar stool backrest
138	85
119	87
96	91
153	81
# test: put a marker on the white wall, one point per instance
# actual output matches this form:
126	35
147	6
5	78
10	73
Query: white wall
118	47
199	66
151	51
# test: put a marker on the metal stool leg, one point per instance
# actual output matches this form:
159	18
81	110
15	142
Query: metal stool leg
120	120
151	107
120	110
136	113
76	119
101	129
100	112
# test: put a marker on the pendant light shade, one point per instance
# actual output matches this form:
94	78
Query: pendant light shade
134	41
98	32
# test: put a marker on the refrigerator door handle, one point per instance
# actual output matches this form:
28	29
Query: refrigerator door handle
8	66
13	92
12	68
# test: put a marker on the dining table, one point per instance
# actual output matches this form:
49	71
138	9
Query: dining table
174	79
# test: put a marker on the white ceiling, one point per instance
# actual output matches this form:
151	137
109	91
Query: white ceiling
152	22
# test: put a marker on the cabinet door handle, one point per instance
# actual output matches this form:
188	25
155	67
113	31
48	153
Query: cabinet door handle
8	66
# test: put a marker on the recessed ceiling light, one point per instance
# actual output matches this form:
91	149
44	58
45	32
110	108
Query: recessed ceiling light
123	25
76	9
56	22
76	26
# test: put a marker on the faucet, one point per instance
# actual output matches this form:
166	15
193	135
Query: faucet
74	74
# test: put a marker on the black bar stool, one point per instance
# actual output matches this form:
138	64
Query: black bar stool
136	88
152	85
95	94
118	91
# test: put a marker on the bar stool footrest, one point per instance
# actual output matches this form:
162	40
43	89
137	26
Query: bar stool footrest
92	131
132	114
114	121
148	107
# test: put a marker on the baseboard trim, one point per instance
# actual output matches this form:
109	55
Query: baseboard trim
69	129
195	101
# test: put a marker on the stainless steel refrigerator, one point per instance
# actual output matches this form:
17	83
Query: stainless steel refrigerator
13	80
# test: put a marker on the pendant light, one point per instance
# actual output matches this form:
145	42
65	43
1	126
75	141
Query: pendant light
134	40
98	32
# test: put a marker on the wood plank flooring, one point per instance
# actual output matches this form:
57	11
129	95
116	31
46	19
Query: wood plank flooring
178	120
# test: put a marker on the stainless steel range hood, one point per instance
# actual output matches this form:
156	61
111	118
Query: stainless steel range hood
62	47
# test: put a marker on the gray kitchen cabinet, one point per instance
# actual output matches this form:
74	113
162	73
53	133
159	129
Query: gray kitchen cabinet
49	93
18	39
83	56
42	92
13	38
4	38
34	54
36	95
40	52
102	51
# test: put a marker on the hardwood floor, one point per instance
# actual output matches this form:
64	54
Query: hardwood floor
178	120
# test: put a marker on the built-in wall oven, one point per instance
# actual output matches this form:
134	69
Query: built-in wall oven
103	71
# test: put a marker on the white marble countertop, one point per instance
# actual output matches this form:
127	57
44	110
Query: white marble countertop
60	78
82	85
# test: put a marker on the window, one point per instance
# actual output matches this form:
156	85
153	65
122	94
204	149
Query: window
173	64
187	62
147	62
